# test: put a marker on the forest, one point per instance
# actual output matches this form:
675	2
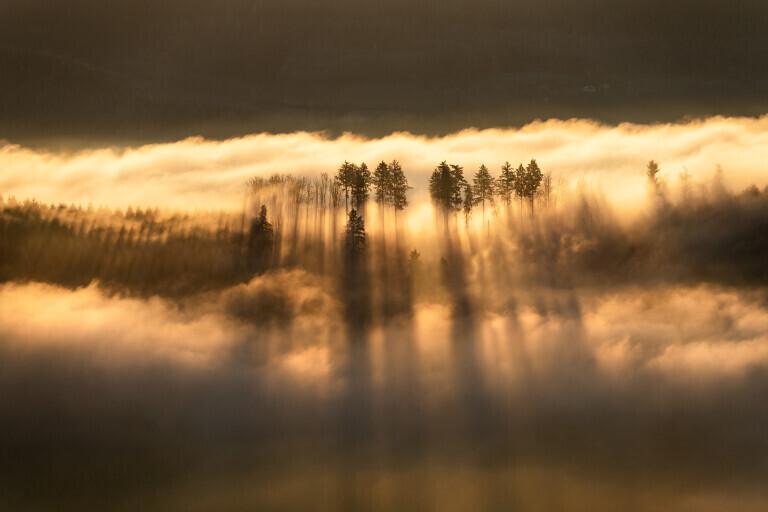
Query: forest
333	345
557	234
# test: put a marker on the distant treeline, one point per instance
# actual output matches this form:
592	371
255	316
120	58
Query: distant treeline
704	234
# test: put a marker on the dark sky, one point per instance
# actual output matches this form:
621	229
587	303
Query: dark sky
143	69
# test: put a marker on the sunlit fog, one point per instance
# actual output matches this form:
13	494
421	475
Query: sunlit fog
298	322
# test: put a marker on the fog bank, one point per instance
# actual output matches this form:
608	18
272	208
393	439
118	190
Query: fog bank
198	173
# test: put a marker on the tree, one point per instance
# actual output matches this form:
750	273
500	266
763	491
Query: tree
505	185
414	259
520	189
546	188
361	182
345	178
355	234
445	187
334	193
323	186
260	240
469	202
652	171
382	181
483	186
533	177
399	186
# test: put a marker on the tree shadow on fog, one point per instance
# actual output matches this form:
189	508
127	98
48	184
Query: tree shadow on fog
471	394
354	428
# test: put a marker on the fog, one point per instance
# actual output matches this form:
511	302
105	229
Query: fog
198	173
604	347
640	398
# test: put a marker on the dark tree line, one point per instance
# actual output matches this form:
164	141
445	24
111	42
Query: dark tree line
450	191
388	180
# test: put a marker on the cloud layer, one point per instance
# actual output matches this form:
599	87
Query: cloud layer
651	397
197	173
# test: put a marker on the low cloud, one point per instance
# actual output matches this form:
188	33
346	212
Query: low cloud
662	384
198	173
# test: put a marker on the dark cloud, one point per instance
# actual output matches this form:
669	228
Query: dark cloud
126	70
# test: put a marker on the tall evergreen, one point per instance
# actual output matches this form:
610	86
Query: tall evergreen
533	177
382	182
399	186
445	187
483	186
361	182
505	184
519	185
260	240
355	234
469	202
345	178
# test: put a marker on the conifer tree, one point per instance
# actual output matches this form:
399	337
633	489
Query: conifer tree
355	234
445	187
382	182
520	189
345	178
505	184
361	182
469	202
533	177
260	240
483	186
399	186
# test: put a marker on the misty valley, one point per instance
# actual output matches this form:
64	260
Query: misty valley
513	343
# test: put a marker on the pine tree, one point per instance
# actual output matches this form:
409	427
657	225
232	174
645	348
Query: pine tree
260	240
355	234
345	178
469	202
382	181
652	171
361	182
520	188
505	185
399	186
445	187
483	185
533	177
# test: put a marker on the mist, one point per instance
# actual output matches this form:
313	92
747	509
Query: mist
205	174
569	354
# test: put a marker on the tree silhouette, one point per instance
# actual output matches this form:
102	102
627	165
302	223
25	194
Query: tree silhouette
520	188
652	171
391	185
445	187
533	177
260	240
334	194
469	202
345	178
505	185
546	188
399	186
355	234
483	187
361	182
382	182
